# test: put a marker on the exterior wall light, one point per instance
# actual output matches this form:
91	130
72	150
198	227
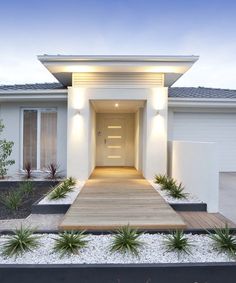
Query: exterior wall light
157	112
77	112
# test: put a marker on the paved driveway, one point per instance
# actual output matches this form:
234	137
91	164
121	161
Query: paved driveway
228	195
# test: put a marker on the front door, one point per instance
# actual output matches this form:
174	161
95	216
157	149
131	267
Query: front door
115	139
114	142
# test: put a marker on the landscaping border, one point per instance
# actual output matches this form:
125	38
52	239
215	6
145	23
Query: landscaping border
62	208
189	206
3	184
119	273
107	232
49	208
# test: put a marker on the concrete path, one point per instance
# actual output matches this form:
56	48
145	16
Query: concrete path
39	222
115	197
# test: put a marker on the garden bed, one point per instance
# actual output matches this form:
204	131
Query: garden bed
97	252
69	199
40	188
125	273
47	206
189	199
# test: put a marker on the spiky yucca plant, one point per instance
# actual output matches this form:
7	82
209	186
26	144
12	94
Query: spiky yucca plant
70	181
223	240
168	185
161	179
70	242
126	240
13	200
23	240
28	170
26	187
177	242
59	192
53	170
177	192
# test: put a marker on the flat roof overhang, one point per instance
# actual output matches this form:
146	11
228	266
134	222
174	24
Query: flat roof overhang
62	66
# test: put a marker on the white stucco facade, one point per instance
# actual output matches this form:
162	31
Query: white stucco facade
93	85
139	84
11	115
81	128
196	165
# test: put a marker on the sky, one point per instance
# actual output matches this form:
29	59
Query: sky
124	27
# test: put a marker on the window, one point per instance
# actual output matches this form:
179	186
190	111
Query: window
39	137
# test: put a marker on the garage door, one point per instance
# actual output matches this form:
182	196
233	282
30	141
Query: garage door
213	127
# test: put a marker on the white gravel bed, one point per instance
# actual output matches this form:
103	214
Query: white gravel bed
190	198
97	252
69	199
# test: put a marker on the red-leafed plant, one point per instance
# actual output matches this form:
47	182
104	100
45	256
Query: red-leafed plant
28	170
53	170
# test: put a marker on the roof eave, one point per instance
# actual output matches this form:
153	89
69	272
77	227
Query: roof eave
116	58
176	102
32	91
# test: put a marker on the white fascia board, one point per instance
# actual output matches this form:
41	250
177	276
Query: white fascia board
202	102
32	91
117	58
42	95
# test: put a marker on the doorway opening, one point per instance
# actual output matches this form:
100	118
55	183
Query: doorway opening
115	139
118	127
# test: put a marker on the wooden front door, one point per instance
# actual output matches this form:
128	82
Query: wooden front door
115	139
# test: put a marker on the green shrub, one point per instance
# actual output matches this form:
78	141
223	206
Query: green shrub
168	185
223	240
12	200
177	242
70	242
23	240
161	179
126	240
68	188
59	192
26	188
70	181
5	152
177	192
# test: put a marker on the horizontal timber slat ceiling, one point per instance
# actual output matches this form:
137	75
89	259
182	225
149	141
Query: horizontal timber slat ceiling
126	79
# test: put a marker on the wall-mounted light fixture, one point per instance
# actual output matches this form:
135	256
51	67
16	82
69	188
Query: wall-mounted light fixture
77	112
157	112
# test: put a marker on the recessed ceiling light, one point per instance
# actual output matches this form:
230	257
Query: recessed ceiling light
116	105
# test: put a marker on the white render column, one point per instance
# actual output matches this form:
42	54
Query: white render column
155	133
78	125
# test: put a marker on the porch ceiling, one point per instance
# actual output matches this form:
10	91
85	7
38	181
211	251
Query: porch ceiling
62	66
117	106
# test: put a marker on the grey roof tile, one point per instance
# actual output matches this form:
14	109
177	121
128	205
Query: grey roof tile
175	92
39	86
201	92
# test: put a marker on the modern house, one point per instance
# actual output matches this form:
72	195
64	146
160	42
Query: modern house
117	111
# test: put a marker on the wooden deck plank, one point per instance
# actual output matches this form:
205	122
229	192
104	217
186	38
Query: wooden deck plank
114	197
205	220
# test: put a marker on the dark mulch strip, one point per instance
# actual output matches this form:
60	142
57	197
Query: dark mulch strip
40	189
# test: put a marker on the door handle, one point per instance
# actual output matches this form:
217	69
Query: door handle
105	141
